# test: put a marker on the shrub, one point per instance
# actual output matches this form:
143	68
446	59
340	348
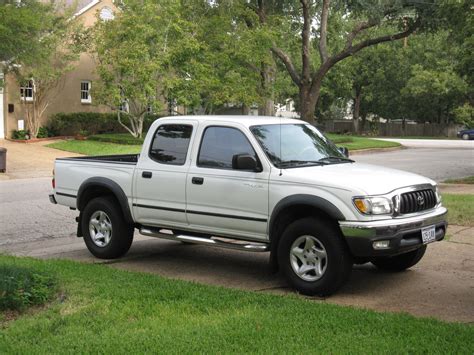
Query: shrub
20	134
44	132
21	288
70	124
119	138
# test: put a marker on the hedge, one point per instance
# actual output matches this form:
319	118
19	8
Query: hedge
89	123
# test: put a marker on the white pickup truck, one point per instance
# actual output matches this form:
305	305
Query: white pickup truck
256	184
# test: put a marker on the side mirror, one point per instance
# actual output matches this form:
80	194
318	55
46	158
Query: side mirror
344	151
244	162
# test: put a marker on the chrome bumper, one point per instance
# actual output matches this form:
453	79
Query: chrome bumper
392	226
403	234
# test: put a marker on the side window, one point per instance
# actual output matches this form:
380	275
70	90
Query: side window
170	144
220	144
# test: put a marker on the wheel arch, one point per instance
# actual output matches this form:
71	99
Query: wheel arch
296	207
100	186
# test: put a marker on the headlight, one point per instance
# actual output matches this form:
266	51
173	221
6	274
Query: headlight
373	205
438	195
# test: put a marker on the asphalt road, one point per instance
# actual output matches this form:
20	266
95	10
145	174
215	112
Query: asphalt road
436	159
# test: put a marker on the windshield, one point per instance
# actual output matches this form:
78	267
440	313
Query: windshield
301	145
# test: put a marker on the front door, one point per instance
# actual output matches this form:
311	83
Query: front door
222	200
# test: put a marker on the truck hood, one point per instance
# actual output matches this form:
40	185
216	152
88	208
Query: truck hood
361	178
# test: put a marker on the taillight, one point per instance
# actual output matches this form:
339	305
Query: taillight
53	182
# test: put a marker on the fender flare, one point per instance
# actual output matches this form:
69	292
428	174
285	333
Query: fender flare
109	185
293	200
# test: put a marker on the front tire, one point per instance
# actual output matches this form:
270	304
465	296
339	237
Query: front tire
400	262
465	136
314	257
106	234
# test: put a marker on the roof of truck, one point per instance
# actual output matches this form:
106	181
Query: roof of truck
245	120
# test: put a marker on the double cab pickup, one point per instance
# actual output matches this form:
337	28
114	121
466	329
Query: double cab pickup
259	184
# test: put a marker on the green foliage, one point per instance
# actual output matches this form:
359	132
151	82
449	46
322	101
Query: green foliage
465	115
22	287
20	134
467	180
43	132
90	147
21	28
113	310
70	124
118	138
460	209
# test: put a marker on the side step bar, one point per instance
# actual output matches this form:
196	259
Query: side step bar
212	241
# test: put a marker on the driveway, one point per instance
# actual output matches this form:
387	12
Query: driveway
440	286
28	160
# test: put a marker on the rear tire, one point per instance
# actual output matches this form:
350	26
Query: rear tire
314	257
400	262
465	136
106	234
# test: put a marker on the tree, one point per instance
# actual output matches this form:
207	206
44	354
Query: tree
364	20
22	25
132	51
55	54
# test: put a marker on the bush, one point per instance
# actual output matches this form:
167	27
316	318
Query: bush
21	288
44	132
119	138
20	134
70	124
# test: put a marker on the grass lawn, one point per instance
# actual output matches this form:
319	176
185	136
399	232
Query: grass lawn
466	180
113	311
355	143
109	144
95	148
460	209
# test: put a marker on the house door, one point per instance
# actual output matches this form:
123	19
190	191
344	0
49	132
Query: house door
2	124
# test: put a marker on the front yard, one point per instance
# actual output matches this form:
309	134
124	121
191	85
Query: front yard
104	310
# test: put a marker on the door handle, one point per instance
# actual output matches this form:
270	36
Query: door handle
147	174
197	180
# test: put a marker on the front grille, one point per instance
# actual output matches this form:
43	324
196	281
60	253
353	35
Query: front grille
416	201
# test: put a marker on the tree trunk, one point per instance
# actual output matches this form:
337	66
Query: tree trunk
309	96
245	110
356	112
267	77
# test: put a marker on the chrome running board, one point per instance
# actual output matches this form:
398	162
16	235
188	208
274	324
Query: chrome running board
211	241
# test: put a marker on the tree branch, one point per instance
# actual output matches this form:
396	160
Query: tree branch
305	36
357	29
323	32
288	64
348	51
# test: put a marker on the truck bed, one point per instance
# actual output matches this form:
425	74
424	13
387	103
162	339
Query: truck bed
120	159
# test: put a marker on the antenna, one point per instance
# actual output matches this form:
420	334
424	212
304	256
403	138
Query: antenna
281	172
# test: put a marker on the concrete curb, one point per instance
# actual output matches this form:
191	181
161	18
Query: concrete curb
375	150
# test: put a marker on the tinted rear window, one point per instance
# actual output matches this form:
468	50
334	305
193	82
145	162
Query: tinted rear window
170	144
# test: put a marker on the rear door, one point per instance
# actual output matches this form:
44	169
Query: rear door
222	200
160	177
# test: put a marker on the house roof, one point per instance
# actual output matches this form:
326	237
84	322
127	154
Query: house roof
78	7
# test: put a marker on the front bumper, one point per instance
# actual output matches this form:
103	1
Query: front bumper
403	234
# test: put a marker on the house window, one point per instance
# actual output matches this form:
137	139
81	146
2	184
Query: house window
26	91
86	92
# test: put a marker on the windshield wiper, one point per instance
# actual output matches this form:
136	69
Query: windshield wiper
332	158
287	163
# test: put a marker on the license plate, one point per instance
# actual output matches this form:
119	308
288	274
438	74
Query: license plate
428	234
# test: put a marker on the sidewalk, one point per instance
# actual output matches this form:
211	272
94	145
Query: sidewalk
458	189
30	160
